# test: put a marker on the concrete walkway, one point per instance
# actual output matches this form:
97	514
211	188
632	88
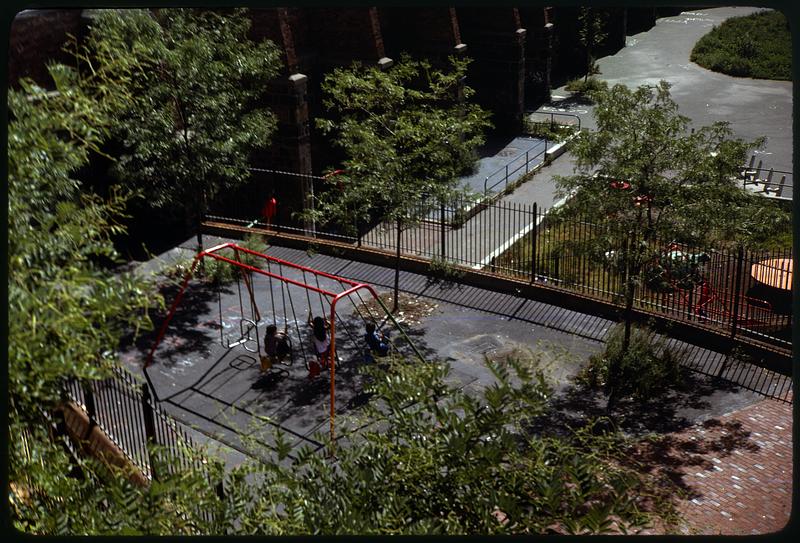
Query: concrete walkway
753	107
736	471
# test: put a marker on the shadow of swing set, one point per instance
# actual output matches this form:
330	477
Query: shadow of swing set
276	272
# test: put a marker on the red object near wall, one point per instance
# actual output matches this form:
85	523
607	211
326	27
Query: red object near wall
269	209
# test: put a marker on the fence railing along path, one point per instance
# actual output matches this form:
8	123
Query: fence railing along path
127	413
522	241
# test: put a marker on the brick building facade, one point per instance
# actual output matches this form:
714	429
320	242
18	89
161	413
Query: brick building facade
515	53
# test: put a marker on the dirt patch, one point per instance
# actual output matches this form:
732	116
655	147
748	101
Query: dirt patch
412	310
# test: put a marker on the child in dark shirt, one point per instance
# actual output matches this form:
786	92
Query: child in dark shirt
276	345
376	341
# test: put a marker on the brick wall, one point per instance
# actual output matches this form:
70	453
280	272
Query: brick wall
430	32
496	43
37	36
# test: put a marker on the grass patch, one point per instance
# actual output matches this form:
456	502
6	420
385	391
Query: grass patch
586	88
757	46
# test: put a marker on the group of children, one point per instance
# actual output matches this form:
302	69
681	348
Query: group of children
277	345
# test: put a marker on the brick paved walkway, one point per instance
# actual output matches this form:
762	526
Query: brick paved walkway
735	469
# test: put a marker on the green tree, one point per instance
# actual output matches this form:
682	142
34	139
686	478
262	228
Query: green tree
407	132
591	34
426	457
646	178
66	311
197	102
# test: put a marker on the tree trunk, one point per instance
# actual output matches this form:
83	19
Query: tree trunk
588	63
199	209
614	364
396	304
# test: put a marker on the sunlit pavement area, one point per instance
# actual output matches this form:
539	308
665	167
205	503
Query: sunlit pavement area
219	391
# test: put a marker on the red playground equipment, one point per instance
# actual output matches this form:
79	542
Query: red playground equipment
308	282
699	286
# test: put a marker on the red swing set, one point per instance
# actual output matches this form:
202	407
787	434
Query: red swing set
250	325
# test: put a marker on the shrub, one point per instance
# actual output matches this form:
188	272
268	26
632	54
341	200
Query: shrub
648	368
547	130
444	269
758	46
591	85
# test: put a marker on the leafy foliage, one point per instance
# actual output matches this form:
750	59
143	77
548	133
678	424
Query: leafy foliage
587	86
591	33
436	460
66	311
407	137
408	133
645	179
645	369
758	46
196	106
683	185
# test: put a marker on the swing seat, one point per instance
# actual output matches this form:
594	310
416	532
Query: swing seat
266	363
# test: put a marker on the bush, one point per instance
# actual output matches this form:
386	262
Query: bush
547	130
444	269
758	46
591	85
648	368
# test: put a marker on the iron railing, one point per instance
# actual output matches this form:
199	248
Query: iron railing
124	409
532	156
527	242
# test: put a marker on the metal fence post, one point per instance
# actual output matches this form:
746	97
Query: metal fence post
534	233
736	291
444	237
149	426
91	408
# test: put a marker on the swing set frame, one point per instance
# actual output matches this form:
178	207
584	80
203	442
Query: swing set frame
353	287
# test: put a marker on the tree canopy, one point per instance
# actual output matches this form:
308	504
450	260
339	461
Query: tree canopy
196	107
682	183
408	132
66	311
646	178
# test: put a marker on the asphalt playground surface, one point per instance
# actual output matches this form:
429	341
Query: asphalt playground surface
216	389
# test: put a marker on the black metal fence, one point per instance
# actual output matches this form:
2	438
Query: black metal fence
733	290
124	409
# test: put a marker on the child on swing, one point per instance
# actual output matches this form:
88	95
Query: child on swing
276	346
377	343
321	343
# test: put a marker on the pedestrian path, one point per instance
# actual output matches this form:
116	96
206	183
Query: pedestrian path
736	471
